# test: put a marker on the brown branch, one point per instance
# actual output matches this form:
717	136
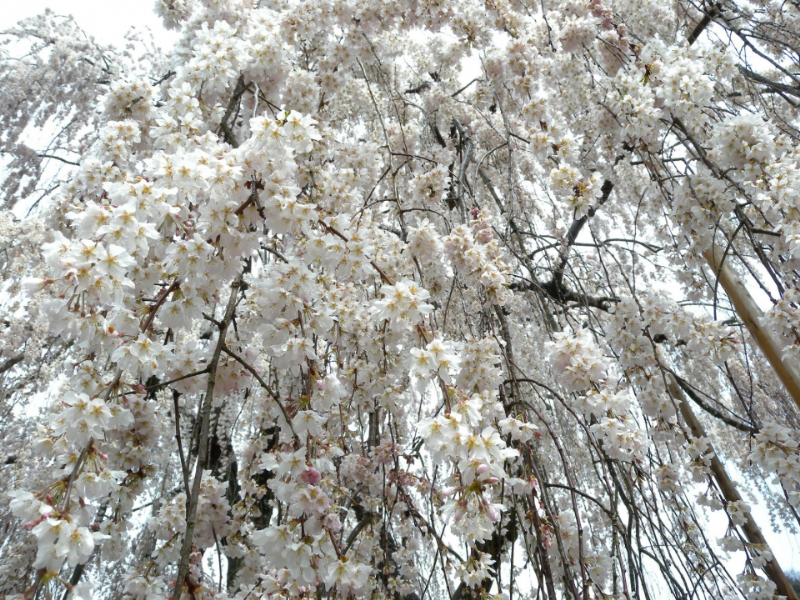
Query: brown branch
575	230
736	423
366	520
701	26
156	386
184	467
778	87
555	288
386	279
64	160
562	294
751	314
264	385
9	363
224	127
162	297
74	473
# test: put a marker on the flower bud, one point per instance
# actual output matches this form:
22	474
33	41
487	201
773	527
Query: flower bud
310	476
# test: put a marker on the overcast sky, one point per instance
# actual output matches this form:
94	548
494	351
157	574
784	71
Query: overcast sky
106	20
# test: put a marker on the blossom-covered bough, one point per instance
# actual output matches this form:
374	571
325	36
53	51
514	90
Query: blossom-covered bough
409	300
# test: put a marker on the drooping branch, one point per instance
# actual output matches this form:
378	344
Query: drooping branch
780	87
735	423
555	288
265	386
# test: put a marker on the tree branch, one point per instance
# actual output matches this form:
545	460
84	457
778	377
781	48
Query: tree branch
264	385
713	411
9	363
701	26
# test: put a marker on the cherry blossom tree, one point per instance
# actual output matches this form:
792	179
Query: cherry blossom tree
408	299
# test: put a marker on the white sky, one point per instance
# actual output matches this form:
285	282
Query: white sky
106	20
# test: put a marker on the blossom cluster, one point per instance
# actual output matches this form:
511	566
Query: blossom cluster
319	301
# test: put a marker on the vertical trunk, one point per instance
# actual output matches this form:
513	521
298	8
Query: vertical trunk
202	446
750	314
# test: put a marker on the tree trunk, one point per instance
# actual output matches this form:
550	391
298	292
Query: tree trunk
750	314
731	494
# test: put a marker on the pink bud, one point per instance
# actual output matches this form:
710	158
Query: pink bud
492	513
484	236
482	469
310	476
333	523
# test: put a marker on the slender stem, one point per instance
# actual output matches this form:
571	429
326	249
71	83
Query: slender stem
184	467
264	385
